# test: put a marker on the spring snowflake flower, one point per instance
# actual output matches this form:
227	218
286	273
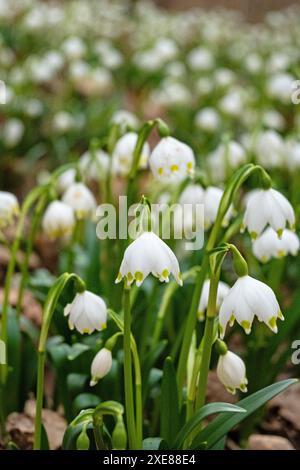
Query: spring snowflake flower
58	220
222	291
123	154
226	157
267	207
66	179
172	160
94	168
87	313
231	372
269	149
9	208
246	299
148	254
212	199
125	119
268	245
208	120
101	365
81	199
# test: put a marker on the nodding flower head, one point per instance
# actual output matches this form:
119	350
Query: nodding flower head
9	208
172	160
246	299
101	365
231	372
148	254
58	220
268	245
86	313
122	157
81	199
267	207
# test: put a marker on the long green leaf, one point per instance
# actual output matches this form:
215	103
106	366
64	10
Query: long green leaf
169	423
220	426
154	443
200	414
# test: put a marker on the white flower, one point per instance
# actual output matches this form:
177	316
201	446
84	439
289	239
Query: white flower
81	199
58	220
192	194
172	160
125	119
9	208
267	207
273	119
12	132
268	245
148	254
207	119
292	155
222	291
225	157
63	121
73	47
87	313
232	104
94	167
269	149
212	199
123	154
101	365
66	179
249	297
280	87
200	58
231	372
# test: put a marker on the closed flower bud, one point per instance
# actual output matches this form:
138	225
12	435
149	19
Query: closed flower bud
267	207
101	365
119	435
222	291
81	199
148	254
58	220
172	160
122	157
246	299
231	372
268	245
9	208
87	313
83	442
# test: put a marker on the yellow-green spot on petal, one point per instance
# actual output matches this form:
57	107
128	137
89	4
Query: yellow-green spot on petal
281	253
231	390
253	235
138	276
86	330
129	276
264	259
190	166
279	232
247	326
280	315
103	326
200	315
174	168
272	324
165	273
242	228
160	170
119	277
243	388
231	320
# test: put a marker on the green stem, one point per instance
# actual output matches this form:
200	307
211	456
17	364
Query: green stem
49	308
207	340
129	401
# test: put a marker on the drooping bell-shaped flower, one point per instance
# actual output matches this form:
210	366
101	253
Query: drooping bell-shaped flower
9	208
122	157
87	313
101	365
172	160
148	254
268	245
222	291
231	372
246	299
212	199
94	167
81	199
267	207
58	220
